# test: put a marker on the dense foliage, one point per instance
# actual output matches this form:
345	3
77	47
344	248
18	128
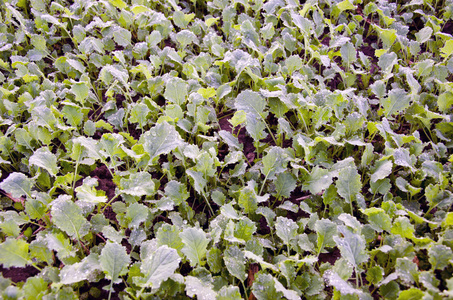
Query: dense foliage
226	150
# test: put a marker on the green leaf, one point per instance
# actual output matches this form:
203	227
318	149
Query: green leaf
161	139
80	271
17	184
195	243
139	114
345	5
403	227
286	229
122	36
318	180
411	294
447	50
348	183
445	101
407	270
214	258
325	231
352	246
81	91
284	185
138	184
67	216
263	288
159	266
202	289
14	253
397	101
348	52
383	168
114	261
229	293
176	91
424	34
87	192
235	262
34	288
440	256
274	162
345	288
378	218
35	209
136	214
199	182
250	102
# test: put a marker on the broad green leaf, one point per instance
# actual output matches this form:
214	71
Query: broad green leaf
139	114
114	261
138	184
34	288
67	216
202	289
199	182
248	199
235	262
263	288
352	246
348	184
325	231
176	91
424	34
378	218
195	243
286	229
403	227
87	191
284	185
214	259
387	61
345	5
407	270
250	102
61	244
411	294
161	139
318	180
80	271
388	36
344	287
35	209
288	294
348	52
14	253
114	72
274	162
17	184
136	214
383	168
397	101
81	91
159	266
445	101
229	293
176	191
440	256
122	36
447	50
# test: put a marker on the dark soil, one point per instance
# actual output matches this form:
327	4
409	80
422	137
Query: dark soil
18	274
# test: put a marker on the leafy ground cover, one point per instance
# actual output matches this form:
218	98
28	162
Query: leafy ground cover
226	150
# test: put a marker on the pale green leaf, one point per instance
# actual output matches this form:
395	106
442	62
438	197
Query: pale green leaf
159	266
138	184
67	216
348	184
14	253
195	243
161	139
176	91
235	262
17	184
114	261
286	229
